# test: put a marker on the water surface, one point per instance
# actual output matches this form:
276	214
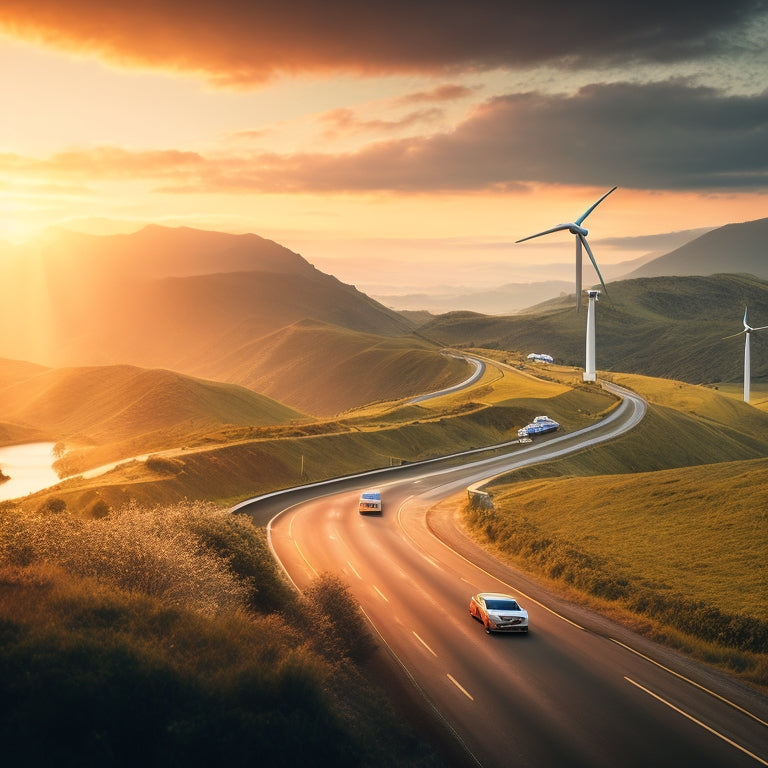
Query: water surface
29	467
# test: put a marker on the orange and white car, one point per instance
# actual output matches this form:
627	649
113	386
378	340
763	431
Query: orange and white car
498	612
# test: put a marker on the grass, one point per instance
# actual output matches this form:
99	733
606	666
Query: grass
672	327
662	512
699	532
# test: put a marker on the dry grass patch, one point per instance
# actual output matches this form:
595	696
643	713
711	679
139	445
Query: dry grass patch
701	532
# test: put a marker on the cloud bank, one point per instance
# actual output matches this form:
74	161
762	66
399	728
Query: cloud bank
660	135
236	43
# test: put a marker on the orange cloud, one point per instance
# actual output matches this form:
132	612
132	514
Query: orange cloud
344	122
103	163
239	43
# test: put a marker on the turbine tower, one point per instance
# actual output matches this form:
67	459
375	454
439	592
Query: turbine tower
748	329
589	368
580	233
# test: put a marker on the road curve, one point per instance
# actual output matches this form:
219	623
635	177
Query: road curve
476	362
577	691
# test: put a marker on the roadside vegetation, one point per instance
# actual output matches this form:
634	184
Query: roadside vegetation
166	637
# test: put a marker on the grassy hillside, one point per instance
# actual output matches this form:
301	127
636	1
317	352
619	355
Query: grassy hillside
166	637
665	526
324	369
662	327
129	410
233	463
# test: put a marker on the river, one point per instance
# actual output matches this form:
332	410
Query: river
29	467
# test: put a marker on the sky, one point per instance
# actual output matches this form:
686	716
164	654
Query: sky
401	146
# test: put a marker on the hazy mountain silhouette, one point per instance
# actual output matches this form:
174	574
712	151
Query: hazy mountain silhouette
153	298
734	248
191	301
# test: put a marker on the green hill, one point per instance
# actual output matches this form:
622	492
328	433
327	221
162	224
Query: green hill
324	369
128	406
670	327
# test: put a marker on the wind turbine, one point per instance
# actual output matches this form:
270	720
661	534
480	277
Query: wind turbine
747	331
589	368
581	233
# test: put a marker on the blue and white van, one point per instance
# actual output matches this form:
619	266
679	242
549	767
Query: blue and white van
370	502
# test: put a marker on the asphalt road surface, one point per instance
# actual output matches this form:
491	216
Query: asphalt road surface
578	690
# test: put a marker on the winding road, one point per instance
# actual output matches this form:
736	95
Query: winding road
578	690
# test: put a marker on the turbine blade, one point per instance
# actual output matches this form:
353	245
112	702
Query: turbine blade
558	228
734	335
592	207
761	328
592	259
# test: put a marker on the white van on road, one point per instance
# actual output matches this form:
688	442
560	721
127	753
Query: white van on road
370	502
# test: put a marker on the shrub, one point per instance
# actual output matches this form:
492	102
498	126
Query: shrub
147	551
164	466
341	627
94	677
97	508
53	505
245	548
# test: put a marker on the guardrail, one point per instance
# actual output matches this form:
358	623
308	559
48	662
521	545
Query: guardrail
479	499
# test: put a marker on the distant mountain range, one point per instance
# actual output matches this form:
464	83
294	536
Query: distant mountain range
734	248
241	310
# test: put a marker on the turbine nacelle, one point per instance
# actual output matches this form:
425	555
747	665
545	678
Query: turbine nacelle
580	233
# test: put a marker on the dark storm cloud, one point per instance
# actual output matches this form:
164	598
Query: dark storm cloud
242	43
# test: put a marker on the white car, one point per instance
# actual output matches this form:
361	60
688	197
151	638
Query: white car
499	612
370	503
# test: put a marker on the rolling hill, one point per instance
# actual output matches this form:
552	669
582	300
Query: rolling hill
115	404
155	297
324	369
668	327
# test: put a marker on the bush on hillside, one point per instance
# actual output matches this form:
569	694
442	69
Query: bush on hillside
163	465
341	627
96	508
244	546
92	676
138	550
52	506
